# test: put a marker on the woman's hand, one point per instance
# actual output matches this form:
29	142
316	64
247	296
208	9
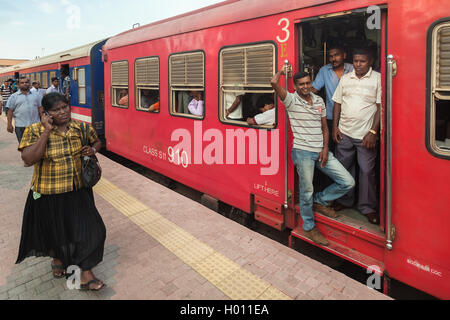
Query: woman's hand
87	151
47	121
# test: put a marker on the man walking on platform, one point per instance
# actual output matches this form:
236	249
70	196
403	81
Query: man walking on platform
5	92
36	87
307	115
356	123
23	107
55	86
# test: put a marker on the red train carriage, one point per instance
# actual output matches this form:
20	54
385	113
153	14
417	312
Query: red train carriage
235	47
84	66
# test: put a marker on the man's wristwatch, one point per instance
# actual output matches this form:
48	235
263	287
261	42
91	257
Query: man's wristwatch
373	132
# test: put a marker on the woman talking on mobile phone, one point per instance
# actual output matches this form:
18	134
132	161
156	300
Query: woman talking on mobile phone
60	218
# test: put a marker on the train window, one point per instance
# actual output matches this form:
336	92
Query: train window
147	84
119	84
52	75
44	80
440	90
187	84
245	90
38	79
81	79
33	77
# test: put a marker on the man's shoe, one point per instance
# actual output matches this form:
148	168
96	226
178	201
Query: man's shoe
328	211
316	236
373	218
338	207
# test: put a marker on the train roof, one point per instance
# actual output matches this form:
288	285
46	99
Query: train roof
75	53
223	13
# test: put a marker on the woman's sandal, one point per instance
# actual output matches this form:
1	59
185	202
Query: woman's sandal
58	267
86	286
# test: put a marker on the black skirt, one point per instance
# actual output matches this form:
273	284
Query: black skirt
64	226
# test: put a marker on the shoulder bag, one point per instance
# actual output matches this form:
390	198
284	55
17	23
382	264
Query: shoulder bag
90	167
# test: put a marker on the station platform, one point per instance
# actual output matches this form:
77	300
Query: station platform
161	245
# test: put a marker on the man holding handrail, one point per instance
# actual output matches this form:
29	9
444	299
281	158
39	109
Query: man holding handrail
307	115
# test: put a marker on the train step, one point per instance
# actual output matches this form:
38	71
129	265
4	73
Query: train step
350	238
344	252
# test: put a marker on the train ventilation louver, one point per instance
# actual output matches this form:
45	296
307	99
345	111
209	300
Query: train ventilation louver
187	70
248	67
119	73
443	59
147	72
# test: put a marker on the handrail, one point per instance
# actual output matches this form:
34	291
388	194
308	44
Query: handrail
286	136
390	76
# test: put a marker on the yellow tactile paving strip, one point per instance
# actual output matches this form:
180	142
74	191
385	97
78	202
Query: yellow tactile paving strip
226	275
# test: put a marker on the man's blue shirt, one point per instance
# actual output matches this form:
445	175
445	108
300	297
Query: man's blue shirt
328	78
25	108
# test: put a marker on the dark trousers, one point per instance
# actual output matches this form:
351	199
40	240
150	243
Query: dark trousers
367	184
19	132
331	144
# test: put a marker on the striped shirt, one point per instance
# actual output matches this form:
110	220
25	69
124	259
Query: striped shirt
59	171
306	121
5	93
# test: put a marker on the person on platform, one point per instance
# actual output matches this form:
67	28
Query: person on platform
55	86
36	87
60	218
5	92
24	107
307	115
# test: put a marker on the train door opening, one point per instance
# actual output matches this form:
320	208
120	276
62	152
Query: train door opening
348	30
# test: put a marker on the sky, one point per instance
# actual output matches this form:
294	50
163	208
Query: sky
34	28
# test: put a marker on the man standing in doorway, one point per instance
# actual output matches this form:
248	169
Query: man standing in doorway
328	77
356	124
23	107
307	115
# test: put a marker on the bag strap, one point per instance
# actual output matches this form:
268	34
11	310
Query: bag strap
85	133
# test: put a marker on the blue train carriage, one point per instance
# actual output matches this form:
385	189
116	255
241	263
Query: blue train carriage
85	68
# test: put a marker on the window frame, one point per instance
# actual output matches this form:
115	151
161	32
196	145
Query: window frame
39	78
51	74
138	88
112	96
432	91
220	87
187	88
46	78
79	86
